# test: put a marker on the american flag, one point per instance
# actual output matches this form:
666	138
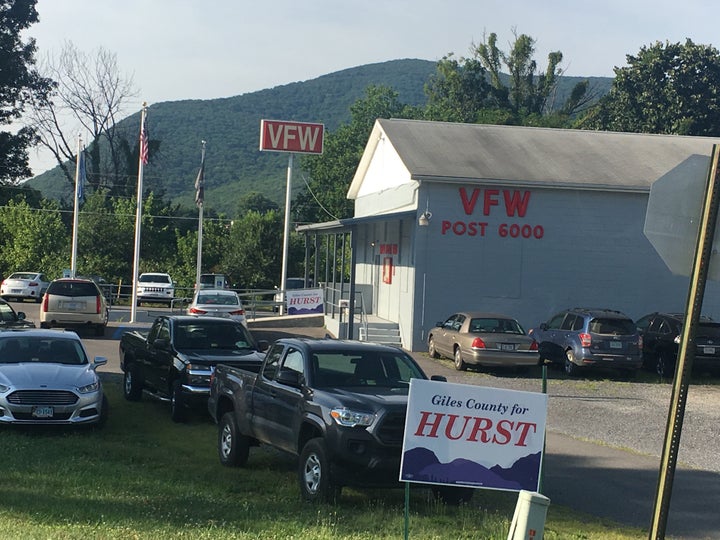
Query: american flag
200	183
143	145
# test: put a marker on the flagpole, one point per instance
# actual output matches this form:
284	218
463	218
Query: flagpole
76	204
138	212
199	200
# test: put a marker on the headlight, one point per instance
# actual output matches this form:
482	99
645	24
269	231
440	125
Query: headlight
88	388
348	418
3	388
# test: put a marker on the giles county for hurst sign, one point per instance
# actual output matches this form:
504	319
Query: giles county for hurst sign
472	436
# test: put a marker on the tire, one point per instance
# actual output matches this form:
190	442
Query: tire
431	349
178	410
571	368
314	475
453	496
133	383
233	447
460	364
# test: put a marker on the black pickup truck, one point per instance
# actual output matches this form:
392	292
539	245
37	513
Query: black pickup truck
338	405
174	360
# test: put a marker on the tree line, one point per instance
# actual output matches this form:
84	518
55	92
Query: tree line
669	88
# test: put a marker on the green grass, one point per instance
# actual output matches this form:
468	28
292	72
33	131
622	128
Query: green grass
144	477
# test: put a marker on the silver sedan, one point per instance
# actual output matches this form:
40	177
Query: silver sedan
218	303
483	339
46	378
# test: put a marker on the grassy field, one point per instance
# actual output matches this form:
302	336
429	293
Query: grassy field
144	477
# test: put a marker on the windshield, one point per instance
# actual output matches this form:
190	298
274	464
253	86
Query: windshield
203	335
351	369
495	326
22	275
218	299
154	278
624	327
27	348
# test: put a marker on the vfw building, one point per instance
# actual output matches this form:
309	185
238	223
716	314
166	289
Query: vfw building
516	220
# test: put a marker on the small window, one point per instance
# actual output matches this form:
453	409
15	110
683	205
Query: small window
294	361
273	359
556	321
569	322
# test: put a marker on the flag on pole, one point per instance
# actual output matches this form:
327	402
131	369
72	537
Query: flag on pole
82	175
200	183
143	145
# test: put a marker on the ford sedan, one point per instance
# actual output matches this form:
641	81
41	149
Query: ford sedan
46	378
483	339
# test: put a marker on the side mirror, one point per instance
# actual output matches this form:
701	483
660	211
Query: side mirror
543	326
289	377
441	378
439	324
263	345
99	361
21	315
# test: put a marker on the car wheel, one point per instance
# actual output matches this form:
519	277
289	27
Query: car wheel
571	368
431	349
233	447
132	383
460	364
454	496
316	482
178	412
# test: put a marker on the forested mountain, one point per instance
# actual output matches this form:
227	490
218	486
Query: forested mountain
231	128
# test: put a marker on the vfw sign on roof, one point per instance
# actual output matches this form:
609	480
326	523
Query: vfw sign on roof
295	137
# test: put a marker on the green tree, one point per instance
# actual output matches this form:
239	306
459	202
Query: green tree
20	84
669	88
325	196
255	201
33	239
216	239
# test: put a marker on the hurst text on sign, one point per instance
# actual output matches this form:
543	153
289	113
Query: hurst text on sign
296	137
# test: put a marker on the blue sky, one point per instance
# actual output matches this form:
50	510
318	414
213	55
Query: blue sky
188	49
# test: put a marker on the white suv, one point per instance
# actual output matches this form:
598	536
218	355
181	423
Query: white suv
155	287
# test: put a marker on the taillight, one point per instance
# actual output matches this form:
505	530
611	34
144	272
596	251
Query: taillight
477	343
534	346
97	304
45	302
238	312
196	311
585	340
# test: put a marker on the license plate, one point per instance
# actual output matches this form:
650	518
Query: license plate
16	291
709	350
507	346
72	306
42	412
615	345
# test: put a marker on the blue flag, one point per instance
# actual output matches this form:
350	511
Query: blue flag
82	176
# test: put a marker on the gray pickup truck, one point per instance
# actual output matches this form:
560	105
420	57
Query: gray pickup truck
174	360
338	405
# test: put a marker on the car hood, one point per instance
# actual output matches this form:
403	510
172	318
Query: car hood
222	356
371	399
42	375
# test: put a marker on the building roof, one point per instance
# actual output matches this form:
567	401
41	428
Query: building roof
468	153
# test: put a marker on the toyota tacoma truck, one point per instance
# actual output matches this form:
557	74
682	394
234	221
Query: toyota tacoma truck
339	406
173	361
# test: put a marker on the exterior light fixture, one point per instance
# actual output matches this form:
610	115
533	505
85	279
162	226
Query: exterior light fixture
425	217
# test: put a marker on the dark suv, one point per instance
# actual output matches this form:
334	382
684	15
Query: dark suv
661	334
583	337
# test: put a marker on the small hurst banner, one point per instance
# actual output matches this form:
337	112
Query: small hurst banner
304	301
473	436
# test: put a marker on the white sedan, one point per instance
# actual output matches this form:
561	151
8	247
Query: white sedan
22	285
217	303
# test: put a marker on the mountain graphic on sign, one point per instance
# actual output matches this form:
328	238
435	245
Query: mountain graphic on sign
422	465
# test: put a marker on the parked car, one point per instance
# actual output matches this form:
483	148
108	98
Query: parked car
9	318
46	378
662	333
584	337
482	339
24	285
217	303
73	302
176	358
155	287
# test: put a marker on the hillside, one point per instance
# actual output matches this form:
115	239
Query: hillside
231	127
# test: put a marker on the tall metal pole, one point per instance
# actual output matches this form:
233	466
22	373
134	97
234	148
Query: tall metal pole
286	235
138	217
201	204
686	353
76	210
